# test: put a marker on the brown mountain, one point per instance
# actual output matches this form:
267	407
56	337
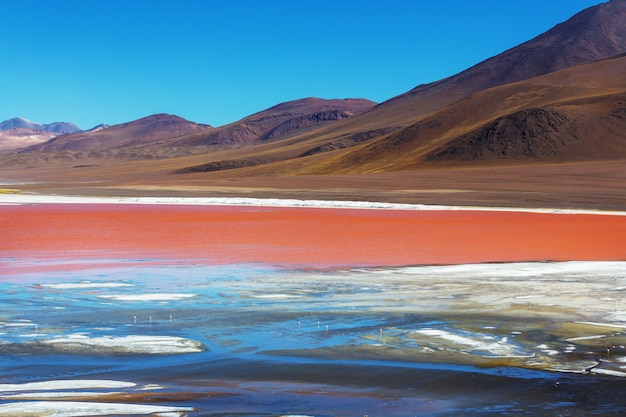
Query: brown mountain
571	115
594	34
146	131
282	121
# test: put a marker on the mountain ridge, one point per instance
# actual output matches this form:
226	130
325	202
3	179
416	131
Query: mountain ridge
281	120
143	131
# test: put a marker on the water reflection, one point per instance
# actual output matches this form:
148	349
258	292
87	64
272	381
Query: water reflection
500	339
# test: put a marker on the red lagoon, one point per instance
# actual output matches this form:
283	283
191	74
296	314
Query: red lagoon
307	237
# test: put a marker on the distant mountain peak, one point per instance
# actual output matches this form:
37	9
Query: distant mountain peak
20	123
23	123
97	128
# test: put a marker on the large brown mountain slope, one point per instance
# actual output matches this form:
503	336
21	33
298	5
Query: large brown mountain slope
573	114
593	34
596	33
570	115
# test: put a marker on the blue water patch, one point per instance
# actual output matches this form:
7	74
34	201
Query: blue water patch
394	342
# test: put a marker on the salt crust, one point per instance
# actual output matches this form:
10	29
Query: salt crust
66	384
80	409
57	394
499	348
85	285
516	270
129	344
266	202
147	297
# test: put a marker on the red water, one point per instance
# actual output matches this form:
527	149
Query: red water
313	237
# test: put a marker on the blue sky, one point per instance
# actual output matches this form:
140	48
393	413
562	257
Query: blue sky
214	62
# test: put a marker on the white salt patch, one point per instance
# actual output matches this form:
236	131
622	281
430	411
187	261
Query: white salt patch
501	348
150	387
276	296
598	336
610	372
56	394
614	326
531	269
85	285
130	344
268	202
148	297
66	384
77	336
81	409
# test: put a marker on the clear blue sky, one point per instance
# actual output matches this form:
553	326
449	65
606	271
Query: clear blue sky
214	62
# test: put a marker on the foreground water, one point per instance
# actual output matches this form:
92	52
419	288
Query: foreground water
187	338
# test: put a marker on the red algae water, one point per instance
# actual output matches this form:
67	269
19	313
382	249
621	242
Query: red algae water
198	311
312	236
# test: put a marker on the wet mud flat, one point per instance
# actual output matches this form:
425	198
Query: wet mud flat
180	337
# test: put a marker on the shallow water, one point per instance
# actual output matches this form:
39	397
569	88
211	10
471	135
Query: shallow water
253	340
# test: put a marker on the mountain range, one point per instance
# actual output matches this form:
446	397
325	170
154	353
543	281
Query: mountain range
19	132
556	100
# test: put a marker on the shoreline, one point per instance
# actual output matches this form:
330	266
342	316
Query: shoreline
24	199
